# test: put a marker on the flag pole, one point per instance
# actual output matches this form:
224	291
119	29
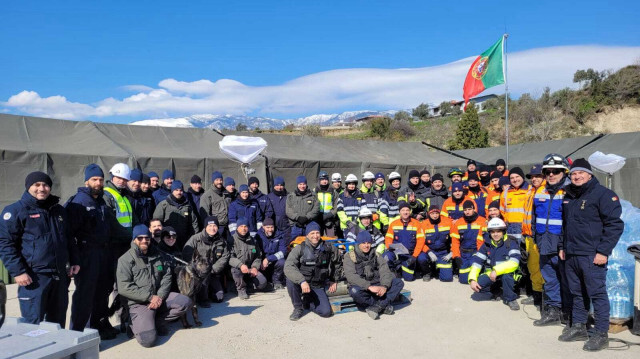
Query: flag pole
506	95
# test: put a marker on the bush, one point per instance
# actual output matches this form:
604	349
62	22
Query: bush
312	130
380	127
401	130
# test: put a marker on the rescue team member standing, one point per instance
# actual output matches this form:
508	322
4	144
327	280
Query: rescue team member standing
89	227
326	201
310	267
533	254
547	230
591	215
213	203
302	207
145	281
370	281
35	250
500	259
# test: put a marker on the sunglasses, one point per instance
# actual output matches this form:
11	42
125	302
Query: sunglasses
143	239
553	171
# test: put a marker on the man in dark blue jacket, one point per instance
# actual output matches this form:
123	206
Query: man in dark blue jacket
274	249
35	250
591	214
89	227
263	200
143	205
164	190
278	198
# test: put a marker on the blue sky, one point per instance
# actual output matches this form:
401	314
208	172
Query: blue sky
89	53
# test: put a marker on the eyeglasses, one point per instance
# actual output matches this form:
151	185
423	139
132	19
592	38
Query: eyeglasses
555	171
143	239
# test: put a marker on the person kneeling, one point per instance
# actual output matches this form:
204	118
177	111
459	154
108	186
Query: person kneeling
500	259
310	267
246	260
370	281
145	281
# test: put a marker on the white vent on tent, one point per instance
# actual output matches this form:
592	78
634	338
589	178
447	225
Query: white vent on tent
243	149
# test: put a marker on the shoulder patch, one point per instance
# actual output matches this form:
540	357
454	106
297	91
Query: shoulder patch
7	216
614	198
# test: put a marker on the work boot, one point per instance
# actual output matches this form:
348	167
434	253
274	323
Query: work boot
426	277
388	310
162	330
513	305
577	332
242	294
537	299
527	301
106	331
597	342
278	286
551	316
297	314
374	311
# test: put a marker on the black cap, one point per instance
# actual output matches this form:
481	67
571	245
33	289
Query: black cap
483	168
495	174
268	222
581	165
501	162
468	204
414	173
425	172
495	204
434	207
253	180
35	177
196	179
518	171
146	179
471	162
437	177
473	176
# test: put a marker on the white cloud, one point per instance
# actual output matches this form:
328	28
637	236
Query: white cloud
335	90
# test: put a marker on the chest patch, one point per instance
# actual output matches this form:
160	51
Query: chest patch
34	215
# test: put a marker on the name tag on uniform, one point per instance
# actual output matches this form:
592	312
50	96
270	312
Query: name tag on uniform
542	200
90	208
34	215
565	202
309	201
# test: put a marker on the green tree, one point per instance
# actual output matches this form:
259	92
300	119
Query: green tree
403	116
445	108
421	112
470	133
312	130
380	127
241	127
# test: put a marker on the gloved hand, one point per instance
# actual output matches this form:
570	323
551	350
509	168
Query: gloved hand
524	255
326	217
458	262
432	256
302	220
411	262
447	258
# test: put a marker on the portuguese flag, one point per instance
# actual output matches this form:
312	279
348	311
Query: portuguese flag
486	71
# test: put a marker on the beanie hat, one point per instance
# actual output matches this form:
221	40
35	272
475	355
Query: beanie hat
93	170
253	180
501	162
434	207
364	237
167	174
228	181
312	226
504	181
177	185
483	168
140	230
495	174
168	231
215	175
425	172
518	171
153	174
468	204
471	162
196	179
211	220
243	188
35	177
581	165
473	176
145	179
301	179
437	177
278	181
414	173
379	175
268	222
402	205
242	222
457	186
495	204
136	175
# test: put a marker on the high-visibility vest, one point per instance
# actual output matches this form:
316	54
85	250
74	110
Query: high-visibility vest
124	213
325	199
548	211
513	205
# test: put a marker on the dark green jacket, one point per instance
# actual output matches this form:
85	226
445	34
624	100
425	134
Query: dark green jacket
201	242
292	264
180	216
376	260
245	251
139	277
213	203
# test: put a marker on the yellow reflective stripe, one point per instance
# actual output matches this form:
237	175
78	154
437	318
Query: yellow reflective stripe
475	226
465	270
455	235
442	229
448	265
407	270
430	230
123	209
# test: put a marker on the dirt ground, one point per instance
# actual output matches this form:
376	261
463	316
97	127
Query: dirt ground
442	322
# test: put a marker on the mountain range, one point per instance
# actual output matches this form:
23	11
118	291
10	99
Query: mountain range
230	122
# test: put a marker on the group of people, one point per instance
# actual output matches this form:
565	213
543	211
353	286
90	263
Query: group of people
128	235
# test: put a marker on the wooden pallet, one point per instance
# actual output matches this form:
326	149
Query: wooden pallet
619	325
345	304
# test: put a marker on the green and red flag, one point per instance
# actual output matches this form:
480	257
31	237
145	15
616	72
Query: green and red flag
486	71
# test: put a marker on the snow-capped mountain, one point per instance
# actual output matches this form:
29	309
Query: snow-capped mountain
220	122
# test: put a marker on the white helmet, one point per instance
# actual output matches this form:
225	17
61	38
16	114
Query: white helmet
351	178
365	212
394	175
368	176
496	223
336	177
121	170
